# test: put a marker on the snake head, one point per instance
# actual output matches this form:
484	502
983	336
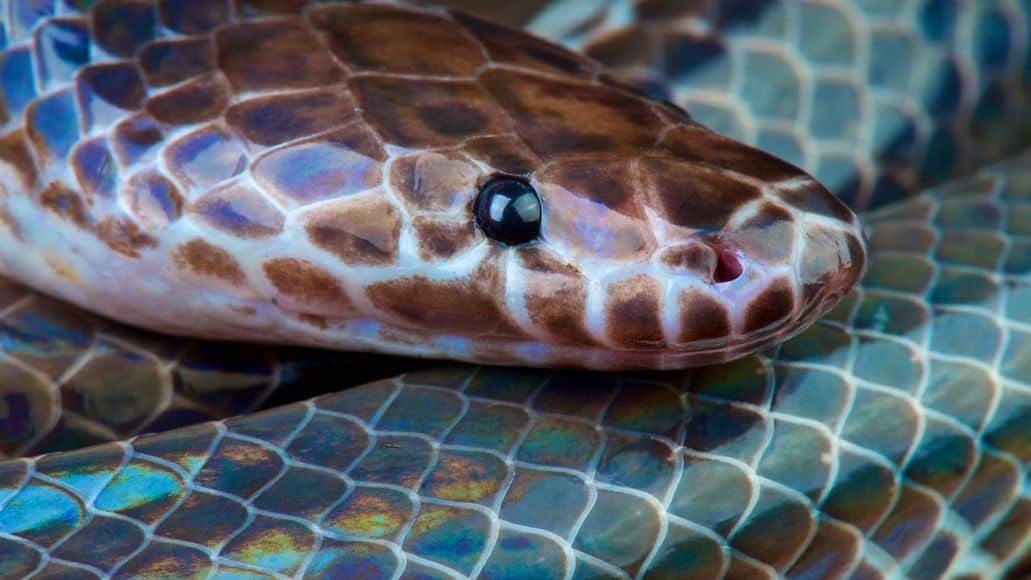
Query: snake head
518	205
413	180
694	250
568	219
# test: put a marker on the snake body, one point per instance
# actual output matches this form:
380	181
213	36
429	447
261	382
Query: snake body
889	438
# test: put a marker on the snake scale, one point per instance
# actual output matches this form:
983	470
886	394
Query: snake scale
265	170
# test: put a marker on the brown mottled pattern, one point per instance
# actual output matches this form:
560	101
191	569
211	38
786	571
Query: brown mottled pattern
205	259
352	138
889	439
309	287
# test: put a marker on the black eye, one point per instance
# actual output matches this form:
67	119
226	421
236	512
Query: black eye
509	211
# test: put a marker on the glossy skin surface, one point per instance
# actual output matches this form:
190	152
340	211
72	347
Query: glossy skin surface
917	386
876	442
292	185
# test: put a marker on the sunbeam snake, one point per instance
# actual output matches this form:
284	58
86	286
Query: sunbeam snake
415	180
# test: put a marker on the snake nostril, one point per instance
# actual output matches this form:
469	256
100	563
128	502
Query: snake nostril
728	267
708	259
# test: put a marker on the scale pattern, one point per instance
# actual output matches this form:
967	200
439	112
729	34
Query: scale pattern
892	436
936	291
288	179
69	378
875	98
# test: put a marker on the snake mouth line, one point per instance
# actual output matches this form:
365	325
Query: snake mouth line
741	346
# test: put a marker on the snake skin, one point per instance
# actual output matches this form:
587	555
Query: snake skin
937	338
891	437
69	378
288	180
875	98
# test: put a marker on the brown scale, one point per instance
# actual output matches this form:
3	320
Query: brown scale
434	181
427	113
442	236
274	119
387	40
116	83
360	230
192	17
774	304
134	137
274	54
206	259
117	232
167	62
306	288
698	144
66	204
111	30
124	236
826	247
200	99
828	206
16	152
470	307
560	117
632	310
507	154
694	196
694	257
703	319
608	181
513	47
555	296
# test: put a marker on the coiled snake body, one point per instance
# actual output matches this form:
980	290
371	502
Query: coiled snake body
276	172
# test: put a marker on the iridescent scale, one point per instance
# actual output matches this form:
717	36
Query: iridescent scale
889	439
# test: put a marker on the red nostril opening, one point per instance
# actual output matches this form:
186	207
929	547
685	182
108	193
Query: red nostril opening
728	267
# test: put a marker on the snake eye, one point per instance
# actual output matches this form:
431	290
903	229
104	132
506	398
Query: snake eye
508	210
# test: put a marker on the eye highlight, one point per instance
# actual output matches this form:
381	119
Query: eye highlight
508	210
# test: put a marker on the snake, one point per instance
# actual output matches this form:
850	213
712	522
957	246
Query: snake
420	181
